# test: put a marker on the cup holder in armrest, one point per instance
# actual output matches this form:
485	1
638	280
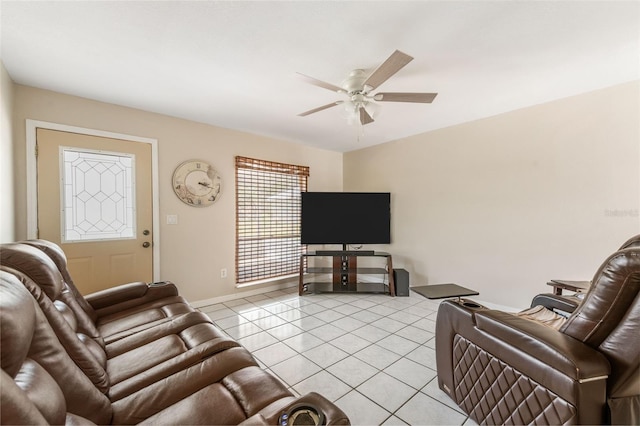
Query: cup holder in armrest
470	304
160	283
302	414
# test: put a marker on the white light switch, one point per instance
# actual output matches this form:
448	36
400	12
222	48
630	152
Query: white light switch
172	219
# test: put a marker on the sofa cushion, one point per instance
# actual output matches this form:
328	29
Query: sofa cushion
136	318
153	396
543	316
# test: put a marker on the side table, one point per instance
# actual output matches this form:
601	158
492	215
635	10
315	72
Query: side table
443	291
575	286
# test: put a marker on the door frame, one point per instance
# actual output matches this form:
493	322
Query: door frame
32	177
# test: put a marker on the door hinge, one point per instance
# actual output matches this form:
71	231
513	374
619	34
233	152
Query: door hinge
36	149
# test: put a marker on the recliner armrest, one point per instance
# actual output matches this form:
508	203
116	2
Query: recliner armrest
272	415
556	302
475	346
127	292
561	352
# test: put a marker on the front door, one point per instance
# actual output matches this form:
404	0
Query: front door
95	201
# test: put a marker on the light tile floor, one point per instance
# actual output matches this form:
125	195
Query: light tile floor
371	354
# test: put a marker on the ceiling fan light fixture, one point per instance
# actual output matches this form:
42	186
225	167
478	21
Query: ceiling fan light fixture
373	109
350	112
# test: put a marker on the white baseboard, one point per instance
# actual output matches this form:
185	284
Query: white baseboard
240	295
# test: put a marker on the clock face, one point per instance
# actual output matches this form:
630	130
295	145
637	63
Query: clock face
196	183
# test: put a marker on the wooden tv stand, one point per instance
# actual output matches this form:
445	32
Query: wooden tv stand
338	271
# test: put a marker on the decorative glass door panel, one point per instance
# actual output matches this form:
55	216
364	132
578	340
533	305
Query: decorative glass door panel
98	195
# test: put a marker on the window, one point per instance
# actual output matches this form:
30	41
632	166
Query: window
268	219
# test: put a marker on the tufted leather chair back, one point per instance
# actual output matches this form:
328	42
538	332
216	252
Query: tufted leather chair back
40	383
60	259
612	293
609	319
72	326
45	264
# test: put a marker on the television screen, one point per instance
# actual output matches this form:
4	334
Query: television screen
346	218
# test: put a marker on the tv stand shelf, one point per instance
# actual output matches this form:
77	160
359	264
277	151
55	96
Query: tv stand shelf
338	272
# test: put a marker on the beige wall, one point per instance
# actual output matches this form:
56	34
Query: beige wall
500	205
503	204
7	204
203	242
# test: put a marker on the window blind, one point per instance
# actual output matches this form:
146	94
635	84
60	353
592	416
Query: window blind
268	218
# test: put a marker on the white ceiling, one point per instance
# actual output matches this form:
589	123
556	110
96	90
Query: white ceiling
233	64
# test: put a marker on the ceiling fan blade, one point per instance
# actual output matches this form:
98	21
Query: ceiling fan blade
321	83
311	111
425	98
365	118
392	65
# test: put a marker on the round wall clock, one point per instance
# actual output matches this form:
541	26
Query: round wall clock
196	183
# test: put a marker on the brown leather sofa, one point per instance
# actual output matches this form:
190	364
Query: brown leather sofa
136	353
502	368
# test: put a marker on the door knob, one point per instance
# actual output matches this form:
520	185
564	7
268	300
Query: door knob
145	232
146	244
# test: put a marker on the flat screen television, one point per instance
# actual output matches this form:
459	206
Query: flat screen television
346	218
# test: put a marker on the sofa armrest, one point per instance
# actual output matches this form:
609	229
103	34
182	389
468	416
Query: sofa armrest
126	292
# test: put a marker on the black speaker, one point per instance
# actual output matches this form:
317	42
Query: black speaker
401	280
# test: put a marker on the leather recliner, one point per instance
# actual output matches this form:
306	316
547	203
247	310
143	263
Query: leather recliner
501	368
135	353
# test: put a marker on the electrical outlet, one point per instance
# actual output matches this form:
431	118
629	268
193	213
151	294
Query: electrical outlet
223	273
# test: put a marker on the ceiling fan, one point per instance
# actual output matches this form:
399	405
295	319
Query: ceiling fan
358	87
